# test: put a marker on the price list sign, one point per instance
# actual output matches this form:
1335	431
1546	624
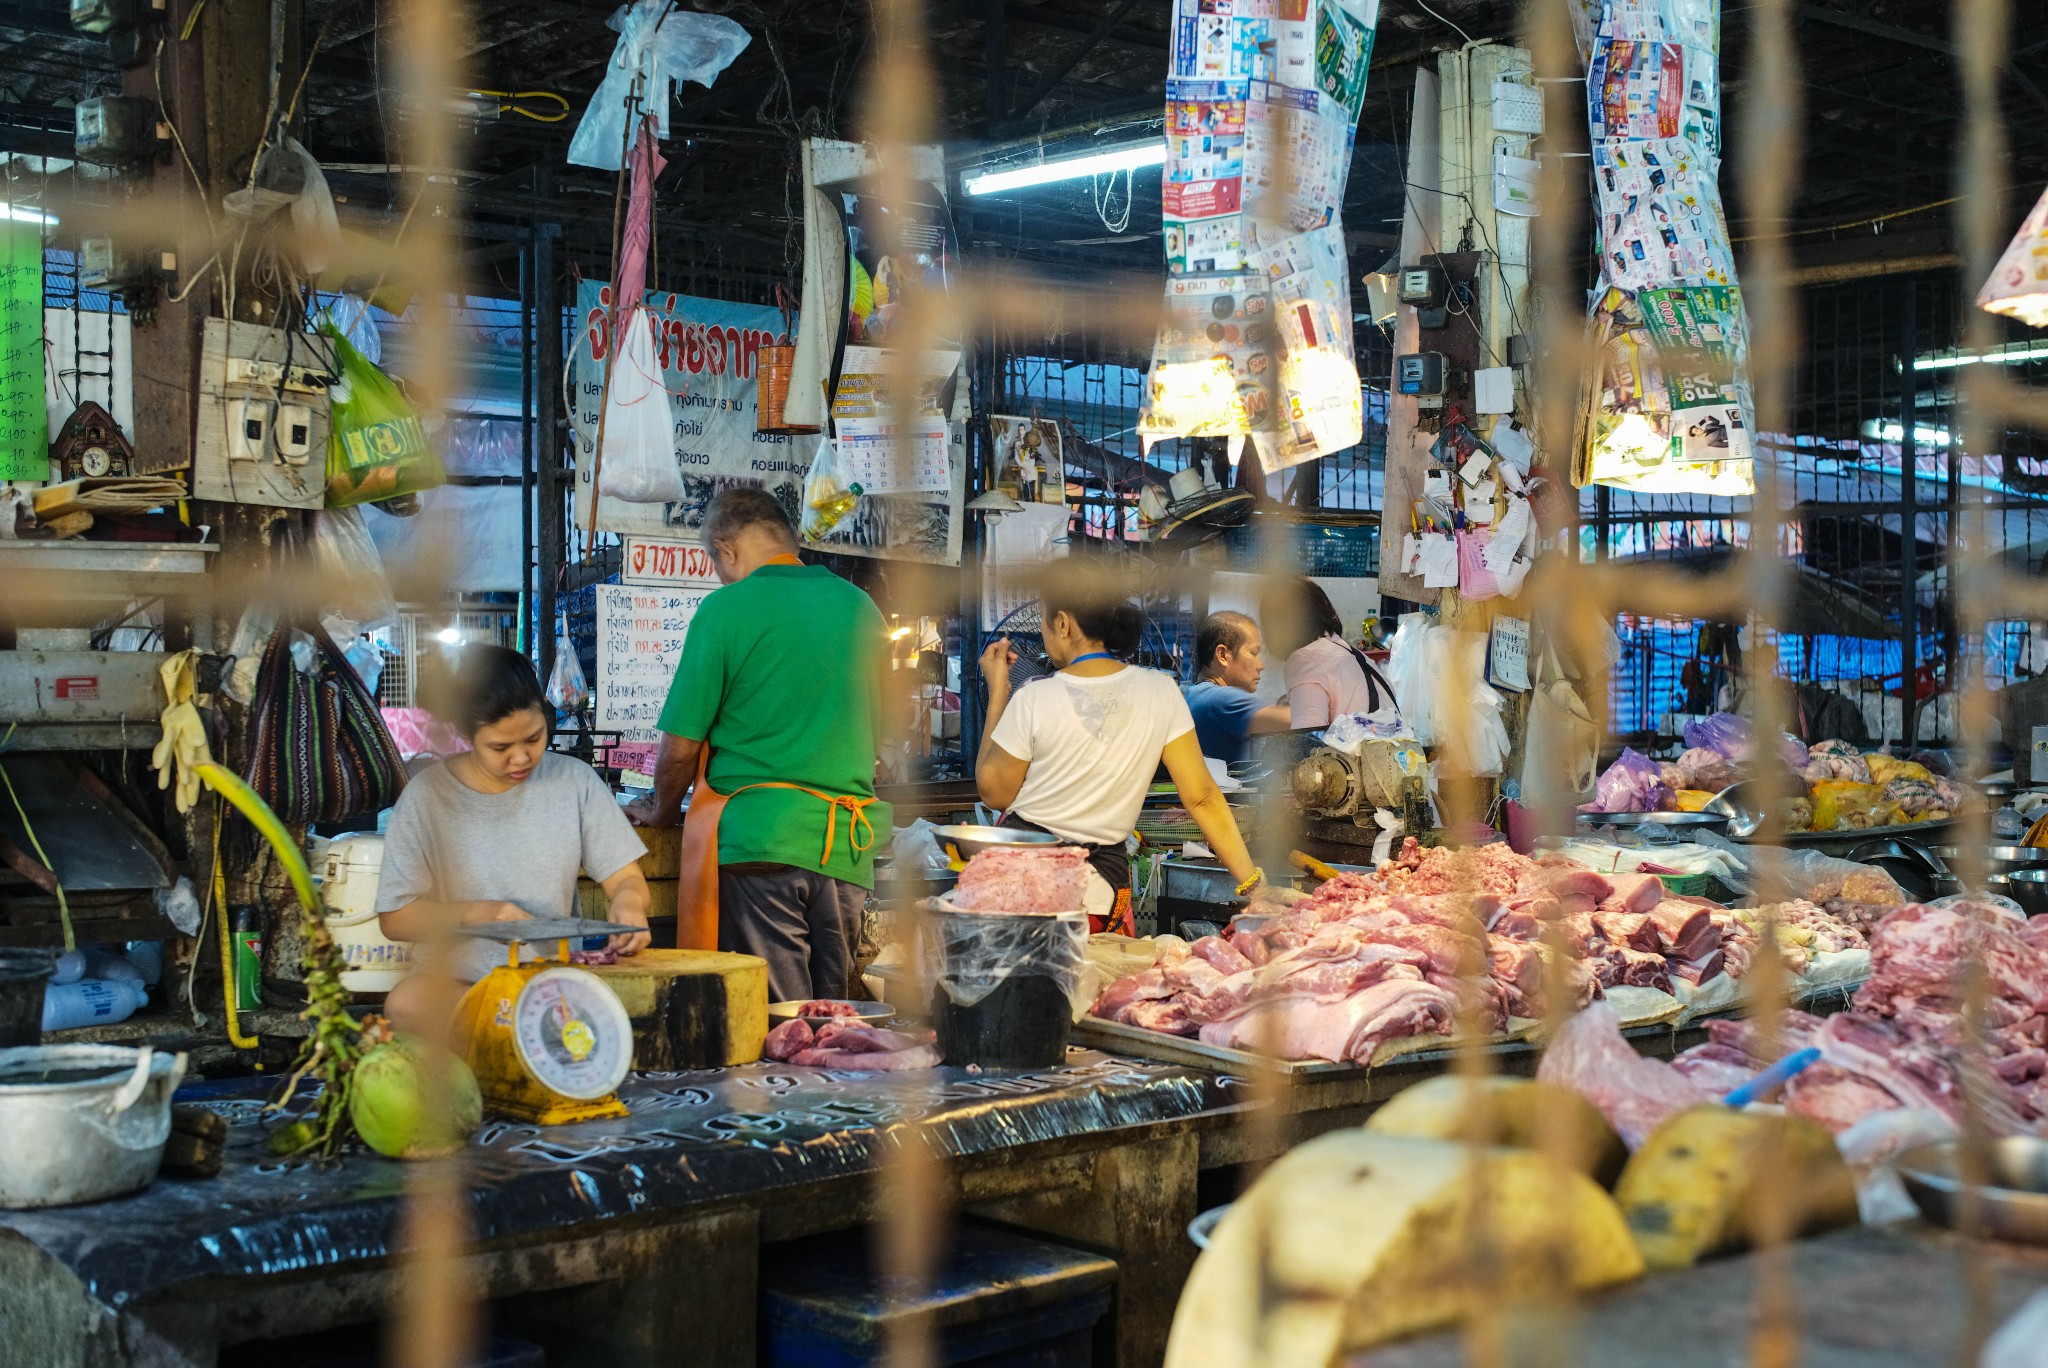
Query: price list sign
24	423
640	633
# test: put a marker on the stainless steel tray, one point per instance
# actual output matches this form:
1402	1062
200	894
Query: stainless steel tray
2013	1206
1119	1038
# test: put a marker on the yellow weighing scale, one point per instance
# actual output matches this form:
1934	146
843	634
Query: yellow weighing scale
549	1042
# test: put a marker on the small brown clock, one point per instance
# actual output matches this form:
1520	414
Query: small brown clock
90	445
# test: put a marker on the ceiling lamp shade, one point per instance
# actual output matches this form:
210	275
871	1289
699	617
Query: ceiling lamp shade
2018	287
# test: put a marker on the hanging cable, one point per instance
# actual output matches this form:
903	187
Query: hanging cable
509	103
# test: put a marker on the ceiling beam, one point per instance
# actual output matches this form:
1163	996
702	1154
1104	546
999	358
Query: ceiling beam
1877	28
1058	71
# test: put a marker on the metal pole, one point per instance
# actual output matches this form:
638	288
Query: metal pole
1909	518
529	323
552	438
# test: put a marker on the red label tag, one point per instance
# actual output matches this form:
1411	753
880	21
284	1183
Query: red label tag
79	688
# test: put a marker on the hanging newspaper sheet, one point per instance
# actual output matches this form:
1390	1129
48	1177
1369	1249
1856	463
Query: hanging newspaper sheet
1672	412
1262	105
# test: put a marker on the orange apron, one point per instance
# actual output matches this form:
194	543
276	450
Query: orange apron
697	864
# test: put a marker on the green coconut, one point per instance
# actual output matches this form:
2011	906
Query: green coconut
410	1101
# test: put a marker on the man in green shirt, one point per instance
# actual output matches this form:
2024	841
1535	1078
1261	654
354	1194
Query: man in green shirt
775	716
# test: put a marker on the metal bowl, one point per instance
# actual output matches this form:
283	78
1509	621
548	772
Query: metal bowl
1673	826
1998	858
2013	1205
2027	887
869	1012
966	842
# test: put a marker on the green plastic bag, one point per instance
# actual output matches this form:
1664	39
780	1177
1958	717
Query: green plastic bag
376	447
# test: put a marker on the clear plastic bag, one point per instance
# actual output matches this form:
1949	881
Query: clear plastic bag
637	456
916	848
971	954
828	496
355	595
567	689
659	46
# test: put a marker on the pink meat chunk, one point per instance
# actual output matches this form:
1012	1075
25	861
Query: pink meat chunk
1350	1029
1716	1069
1030	880
1590	1056
787	1040
1220	953
1635	892
1832	1098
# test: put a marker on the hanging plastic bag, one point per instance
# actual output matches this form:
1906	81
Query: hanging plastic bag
567	688
355	597
828	497
376	448
636	458
660	46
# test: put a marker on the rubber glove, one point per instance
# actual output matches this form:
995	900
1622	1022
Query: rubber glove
183	747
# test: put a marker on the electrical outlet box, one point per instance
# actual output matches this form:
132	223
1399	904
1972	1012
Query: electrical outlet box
1419	374
248	429
294	432
263	416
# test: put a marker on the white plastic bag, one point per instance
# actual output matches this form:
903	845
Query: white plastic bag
637	454
659	46
567	688
1408	670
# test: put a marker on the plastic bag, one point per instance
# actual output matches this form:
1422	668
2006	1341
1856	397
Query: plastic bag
313	217
637	454
971	954
355	597
1840	804
1631	784
828	497
1726	733
660	47
1868	1147
915	849
1794	753
376	448
567	689
1703	767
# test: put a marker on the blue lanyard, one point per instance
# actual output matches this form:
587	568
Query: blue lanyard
1092	655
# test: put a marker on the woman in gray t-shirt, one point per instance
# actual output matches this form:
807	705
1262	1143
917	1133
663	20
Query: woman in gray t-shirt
500	832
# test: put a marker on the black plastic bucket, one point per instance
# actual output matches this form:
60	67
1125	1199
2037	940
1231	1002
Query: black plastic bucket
1001	999
23	973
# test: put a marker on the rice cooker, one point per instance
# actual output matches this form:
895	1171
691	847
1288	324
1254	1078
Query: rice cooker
371	963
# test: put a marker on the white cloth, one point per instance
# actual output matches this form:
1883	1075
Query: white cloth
1093	745
1324	682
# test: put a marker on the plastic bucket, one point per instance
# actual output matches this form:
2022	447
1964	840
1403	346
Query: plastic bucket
773	367
1000	1001
23	974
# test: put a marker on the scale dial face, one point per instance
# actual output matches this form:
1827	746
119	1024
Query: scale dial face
572	1033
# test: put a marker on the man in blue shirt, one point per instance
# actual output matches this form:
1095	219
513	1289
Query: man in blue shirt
1230	658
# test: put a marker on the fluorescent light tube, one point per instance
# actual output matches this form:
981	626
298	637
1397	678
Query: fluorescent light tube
2014	354
1125	157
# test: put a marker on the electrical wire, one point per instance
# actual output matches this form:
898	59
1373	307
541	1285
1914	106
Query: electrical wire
508	103
63	904
1469	40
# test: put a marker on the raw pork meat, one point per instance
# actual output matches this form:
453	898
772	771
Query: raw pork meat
1024	879
1716	1069
1633	892
1348	1029
827	1007
866	1049
1831	1097
1493	868
787	1039
1635	1094
1685	930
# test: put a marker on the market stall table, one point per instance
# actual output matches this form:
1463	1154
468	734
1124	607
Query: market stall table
625	1242
1867	1297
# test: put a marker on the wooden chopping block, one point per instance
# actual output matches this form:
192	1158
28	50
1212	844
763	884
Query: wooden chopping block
692	1009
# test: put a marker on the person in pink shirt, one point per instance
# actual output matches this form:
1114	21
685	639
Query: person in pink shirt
1327	676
